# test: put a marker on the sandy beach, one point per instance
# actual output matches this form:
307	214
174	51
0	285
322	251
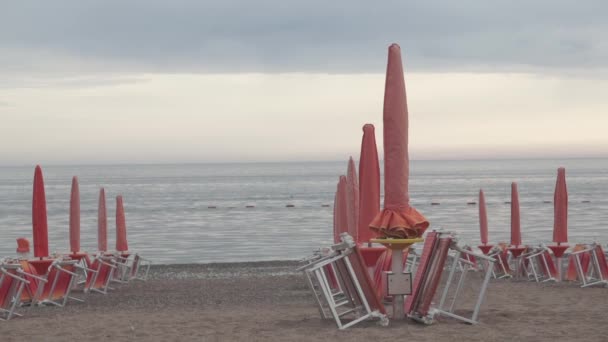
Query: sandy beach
268	301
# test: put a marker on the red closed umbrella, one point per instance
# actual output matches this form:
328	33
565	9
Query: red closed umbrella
398	219
39	220
121	226
341	210
75	217
483	224
560	208
515	218
102	222
352	192
369	184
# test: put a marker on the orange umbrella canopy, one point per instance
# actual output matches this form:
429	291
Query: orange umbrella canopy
102	222
369	184
39	219
352	192
75	217
398	219
121	226
515	219
560	208
483	218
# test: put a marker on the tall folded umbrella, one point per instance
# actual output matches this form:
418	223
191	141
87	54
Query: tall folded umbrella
483	219
75	217
483	224
102	222
369	184
121	227
341	210
39	220
352	192
398	219
560	219
515	219
560	208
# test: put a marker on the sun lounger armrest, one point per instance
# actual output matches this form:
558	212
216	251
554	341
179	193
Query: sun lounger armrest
586	250
61	269
107	264
39	278
14	276
85	268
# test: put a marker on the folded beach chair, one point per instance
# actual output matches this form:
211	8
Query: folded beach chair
437	246
590	265
359	301
130	267
540	265
100	273
12	285
578	262
54	279
502	268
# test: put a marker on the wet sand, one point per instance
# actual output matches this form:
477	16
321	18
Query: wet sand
270	302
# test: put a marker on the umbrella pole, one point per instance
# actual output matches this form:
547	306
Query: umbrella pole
397	268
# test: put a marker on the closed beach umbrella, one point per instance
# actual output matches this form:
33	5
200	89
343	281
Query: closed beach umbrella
515	219
39	220
121	227
369	184
483	219
341	209
75	217
102	222
560	208
483	224
398	219
352	192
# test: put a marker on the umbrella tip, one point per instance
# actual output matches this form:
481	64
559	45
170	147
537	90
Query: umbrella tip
394	46
368	127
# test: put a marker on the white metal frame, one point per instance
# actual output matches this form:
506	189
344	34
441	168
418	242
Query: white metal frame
594	275
18	283
348	306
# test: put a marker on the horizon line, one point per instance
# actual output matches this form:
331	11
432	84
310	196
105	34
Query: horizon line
289	161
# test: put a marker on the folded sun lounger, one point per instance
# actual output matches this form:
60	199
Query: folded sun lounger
12	285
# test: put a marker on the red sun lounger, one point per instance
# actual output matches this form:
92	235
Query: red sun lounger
12	285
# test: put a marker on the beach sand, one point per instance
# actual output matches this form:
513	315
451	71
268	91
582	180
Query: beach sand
268	301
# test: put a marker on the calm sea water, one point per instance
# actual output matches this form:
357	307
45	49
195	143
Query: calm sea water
169	221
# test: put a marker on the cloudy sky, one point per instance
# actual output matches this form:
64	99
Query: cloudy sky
272	80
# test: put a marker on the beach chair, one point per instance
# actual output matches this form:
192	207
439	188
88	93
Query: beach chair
540	265
590	265
358	301
502	268
12	285
578	262
130	267
100	274
54	280
437	246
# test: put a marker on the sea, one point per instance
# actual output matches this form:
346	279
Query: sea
202	213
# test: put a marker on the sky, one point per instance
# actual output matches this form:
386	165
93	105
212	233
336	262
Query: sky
85	82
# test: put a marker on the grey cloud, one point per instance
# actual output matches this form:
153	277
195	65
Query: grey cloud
290	36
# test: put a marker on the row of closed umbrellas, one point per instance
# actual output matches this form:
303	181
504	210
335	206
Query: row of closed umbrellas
40	225
560	215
